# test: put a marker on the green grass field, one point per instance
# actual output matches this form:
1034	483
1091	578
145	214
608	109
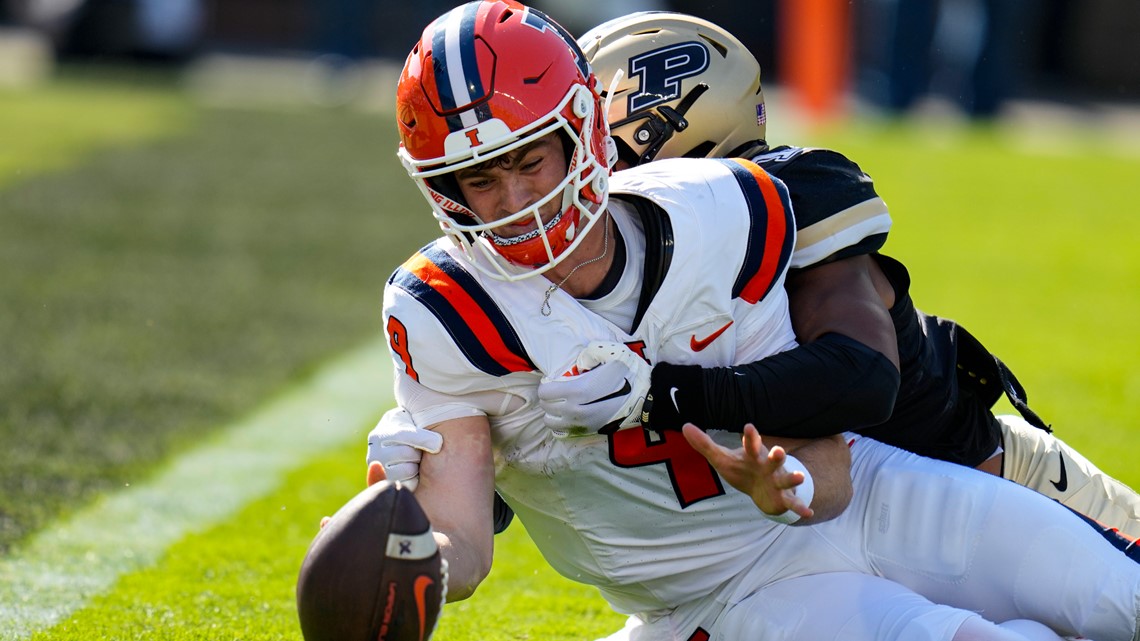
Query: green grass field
171	270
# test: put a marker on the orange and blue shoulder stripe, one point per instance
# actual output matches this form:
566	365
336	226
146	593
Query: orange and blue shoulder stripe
474	321
771	234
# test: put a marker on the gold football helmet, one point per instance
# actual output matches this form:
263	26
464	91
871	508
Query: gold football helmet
687	87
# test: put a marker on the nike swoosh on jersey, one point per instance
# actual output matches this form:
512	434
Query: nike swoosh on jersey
419	589
1061	484
699	344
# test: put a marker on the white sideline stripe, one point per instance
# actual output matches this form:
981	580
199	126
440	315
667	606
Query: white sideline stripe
63	567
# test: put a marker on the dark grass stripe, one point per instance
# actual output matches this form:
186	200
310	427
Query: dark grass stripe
157	292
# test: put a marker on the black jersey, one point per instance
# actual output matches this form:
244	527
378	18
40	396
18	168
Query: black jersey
838	214
939	412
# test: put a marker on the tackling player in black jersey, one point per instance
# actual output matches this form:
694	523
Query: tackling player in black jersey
869	360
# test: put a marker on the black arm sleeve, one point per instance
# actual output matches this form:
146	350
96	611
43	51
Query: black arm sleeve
821	388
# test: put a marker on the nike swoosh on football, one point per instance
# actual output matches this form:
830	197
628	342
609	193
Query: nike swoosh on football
419	588
1061	484
626	388
699	344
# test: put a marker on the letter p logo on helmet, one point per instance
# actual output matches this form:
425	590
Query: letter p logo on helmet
661	71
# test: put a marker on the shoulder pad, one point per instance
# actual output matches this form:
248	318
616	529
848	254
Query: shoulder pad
837	211
432	305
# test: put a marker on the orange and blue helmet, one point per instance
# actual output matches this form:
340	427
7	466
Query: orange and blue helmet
486	78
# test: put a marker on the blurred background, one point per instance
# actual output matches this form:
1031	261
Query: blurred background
968	56
200	204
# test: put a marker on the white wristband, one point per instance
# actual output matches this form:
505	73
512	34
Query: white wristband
805	491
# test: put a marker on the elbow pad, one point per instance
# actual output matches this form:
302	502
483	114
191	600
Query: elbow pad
825	387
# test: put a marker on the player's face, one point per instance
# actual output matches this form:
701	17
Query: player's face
509	183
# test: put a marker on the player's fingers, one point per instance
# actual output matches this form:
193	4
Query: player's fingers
789	481
753	444
776	457
804	511
702	443
799	507
770	461
375	473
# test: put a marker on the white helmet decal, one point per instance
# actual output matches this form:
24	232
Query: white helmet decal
660	71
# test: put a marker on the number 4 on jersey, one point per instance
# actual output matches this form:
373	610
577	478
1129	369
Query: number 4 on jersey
693	478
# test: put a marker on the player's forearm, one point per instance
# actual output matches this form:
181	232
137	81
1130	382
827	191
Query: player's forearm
456	486
833	385
828	460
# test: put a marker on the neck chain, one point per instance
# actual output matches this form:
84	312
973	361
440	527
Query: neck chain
545	308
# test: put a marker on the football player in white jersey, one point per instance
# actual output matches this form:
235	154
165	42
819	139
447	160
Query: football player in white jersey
689	88
547	270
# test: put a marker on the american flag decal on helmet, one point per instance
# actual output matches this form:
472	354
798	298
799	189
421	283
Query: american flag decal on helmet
761	115
456	68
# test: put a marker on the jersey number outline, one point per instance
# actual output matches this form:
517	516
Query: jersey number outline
693	477
398	341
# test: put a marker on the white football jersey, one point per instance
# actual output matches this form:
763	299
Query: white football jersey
642	516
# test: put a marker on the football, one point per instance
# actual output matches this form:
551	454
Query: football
374	572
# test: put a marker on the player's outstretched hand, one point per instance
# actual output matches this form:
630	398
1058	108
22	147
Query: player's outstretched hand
753	469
